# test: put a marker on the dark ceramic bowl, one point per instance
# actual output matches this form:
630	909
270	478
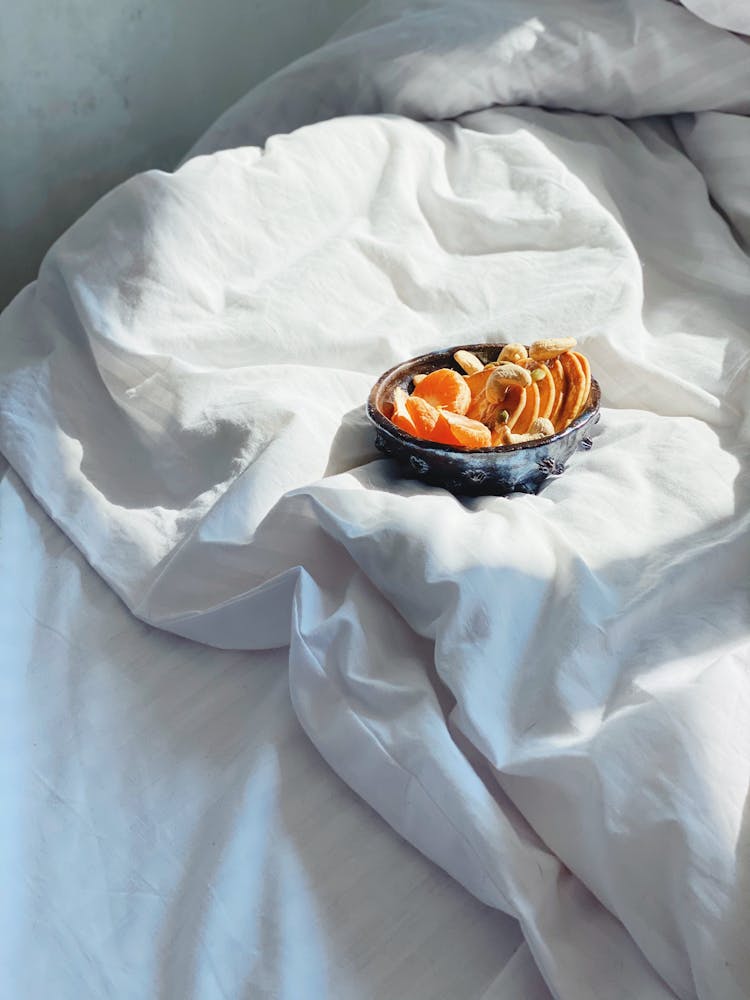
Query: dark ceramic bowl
518	468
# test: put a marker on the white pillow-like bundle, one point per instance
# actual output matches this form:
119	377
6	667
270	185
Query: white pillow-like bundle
734	15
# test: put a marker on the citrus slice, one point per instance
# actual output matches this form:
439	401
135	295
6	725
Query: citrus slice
540	373
465	432
530	409
575	386
514	402
584	362
401	416
558	379
445	388
423	415
478	381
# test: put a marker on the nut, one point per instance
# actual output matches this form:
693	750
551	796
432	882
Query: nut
514	353
542	427
503	376
522	438
542	350
500	436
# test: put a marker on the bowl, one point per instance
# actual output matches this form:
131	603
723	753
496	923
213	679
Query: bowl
516	468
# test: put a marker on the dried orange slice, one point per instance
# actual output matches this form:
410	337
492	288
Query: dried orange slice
584	362
530	410
514	403
546	387
466	432
540	373
558	379
575	386
445	388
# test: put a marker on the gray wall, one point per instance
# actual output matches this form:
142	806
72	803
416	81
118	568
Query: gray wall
92	91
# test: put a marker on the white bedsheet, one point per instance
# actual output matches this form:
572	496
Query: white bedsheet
169	831
549	696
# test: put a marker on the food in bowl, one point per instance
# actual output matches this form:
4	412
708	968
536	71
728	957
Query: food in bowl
524	395
520	467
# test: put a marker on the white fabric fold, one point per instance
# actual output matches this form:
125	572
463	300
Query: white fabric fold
548	695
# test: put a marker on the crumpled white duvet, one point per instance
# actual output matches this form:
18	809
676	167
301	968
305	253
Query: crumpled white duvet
548	695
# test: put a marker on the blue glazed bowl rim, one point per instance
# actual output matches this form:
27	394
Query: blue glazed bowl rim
446	354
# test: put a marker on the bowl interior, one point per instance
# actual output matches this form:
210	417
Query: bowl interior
380	403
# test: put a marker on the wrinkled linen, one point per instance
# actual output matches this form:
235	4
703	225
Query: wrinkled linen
547	695
168	830
731	14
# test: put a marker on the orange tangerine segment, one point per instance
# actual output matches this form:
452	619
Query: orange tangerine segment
423	415
401	416
466	432
441	433
445	388
478	381
530	410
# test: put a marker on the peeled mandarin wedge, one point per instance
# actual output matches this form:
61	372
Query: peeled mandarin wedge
401	416
445	388
466	432
423	415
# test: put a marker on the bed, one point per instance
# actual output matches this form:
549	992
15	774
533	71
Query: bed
282	722
171	832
